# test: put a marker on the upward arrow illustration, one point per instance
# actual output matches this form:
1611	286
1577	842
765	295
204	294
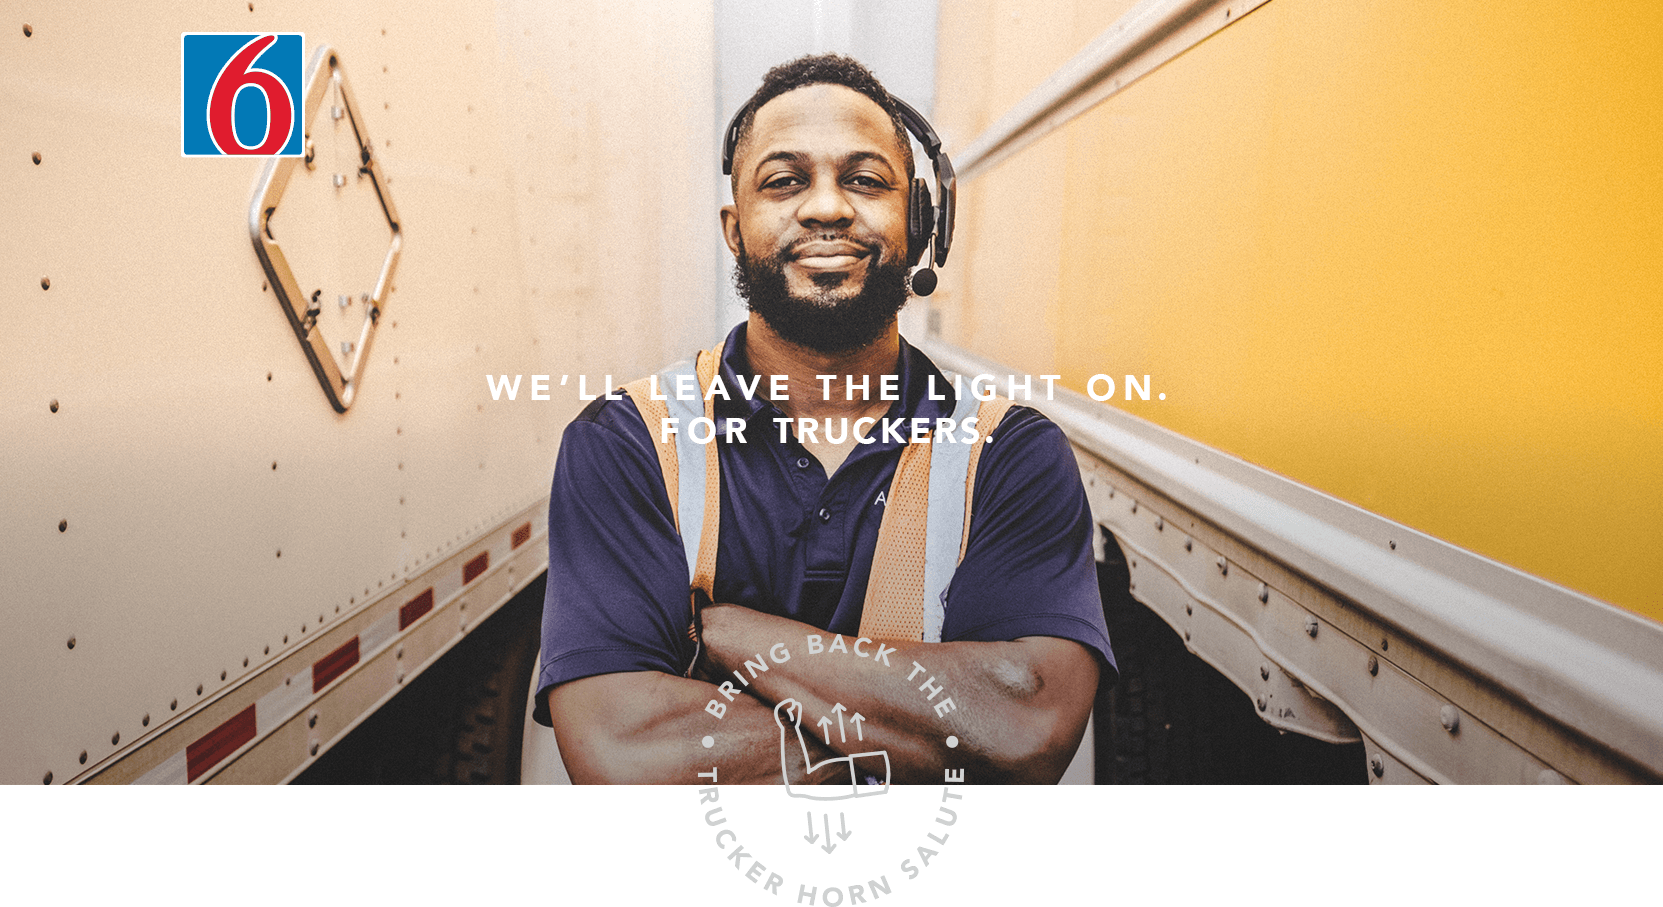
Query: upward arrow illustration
856	719
825	729
838	710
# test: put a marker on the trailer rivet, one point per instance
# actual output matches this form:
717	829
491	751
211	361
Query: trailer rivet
400	652
1134	506
173	706
312	720
1383	643
1311	627
1134	563
46	283
1160	524
1189	545
313	749
1186	636
72	642
1264	672
199	689
267	651
1450	718
1394	545
401	675
53	406
145	721
285	639
222	676
47	779
115	738
1223	567
35	157
1377	765
1132	586
1374	666
27	30
1111	492
1189	610
63	525
1261	703
83	757
1264	593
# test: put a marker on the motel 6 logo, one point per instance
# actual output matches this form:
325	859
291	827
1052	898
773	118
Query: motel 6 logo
241	94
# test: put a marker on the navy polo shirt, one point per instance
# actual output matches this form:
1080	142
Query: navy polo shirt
795	544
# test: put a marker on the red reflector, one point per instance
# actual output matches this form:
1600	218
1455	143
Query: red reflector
212	748
415	608
521	536
472	569
334	664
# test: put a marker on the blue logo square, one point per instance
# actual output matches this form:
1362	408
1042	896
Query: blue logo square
242	94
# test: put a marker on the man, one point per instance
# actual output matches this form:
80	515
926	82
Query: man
818	226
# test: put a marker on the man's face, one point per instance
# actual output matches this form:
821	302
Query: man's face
818	223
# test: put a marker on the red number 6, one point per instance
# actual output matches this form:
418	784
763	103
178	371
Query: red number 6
222	100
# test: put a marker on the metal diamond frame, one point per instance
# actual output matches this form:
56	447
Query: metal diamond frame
324	73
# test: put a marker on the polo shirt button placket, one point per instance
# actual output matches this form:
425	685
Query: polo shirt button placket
825	515
802	462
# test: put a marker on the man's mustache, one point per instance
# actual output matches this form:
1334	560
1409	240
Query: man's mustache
796	247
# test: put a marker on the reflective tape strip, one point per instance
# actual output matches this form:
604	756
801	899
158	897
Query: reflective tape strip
276	707
212	748
414	609
172	770
374	637
334	664
447	584
690	462
521	536
944	521
475	566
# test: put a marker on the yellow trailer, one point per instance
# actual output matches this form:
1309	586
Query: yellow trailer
1375	292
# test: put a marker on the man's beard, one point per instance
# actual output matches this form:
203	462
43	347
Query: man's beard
822	322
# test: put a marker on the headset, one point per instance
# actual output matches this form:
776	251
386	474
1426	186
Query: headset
925	220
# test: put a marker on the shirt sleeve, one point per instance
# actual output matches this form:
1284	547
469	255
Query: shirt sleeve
1028	569
617	597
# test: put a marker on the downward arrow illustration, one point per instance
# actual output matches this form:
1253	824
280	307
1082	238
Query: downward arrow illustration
843	827
838	710
856	719
811	837
825	729
828	847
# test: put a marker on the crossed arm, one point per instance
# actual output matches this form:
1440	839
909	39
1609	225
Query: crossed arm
1019	708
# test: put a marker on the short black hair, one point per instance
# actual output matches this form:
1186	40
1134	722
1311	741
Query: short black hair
820	69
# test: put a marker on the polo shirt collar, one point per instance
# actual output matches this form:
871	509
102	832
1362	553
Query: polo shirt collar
914	369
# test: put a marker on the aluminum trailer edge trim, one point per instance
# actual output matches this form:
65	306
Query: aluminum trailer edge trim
1147	36
1592	667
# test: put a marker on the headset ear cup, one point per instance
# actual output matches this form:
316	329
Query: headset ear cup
920	220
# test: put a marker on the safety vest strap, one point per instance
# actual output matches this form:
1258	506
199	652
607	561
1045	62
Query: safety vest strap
926	528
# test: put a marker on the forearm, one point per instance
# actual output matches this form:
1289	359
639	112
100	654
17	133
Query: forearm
648	728
1017	708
